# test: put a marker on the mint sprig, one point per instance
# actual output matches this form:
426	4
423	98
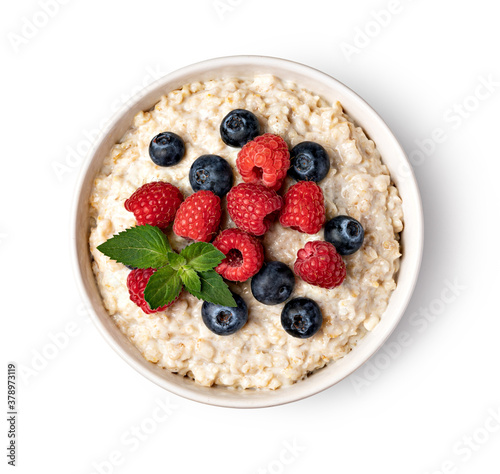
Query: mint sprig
201	256
213	289
175	260
190	278
145	246
163	287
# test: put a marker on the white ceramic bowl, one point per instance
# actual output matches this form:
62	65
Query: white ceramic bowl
393	156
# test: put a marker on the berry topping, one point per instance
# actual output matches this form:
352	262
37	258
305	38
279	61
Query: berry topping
244	254
304	208
198	217
155	203
239	127
345	233
211	173
273	284
309	161
225	320
264	160
136	283
166	149
318	263
253	207
301	317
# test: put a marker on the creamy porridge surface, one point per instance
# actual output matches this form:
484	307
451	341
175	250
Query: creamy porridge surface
261	355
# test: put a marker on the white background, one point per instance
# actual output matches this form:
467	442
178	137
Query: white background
411	411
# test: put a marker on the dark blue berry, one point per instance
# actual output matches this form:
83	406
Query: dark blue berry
345	233
211	173
224	320
239	127
166	149
301	317
309	161
273	284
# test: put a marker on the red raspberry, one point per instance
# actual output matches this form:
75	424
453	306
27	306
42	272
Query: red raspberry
318	263
304	208
265	160
136	283
253	207
155	203
244	254
198	218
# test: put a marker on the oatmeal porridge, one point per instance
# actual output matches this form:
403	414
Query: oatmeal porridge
260	355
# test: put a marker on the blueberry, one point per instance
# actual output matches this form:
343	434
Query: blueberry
224	320
239	127
309	161
345	233
301	317
273	284
211	173
166	149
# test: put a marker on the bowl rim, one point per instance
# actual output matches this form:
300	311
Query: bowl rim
201	66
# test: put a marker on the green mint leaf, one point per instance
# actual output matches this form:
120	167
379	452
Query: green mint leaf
202	256
143	246
190	279
214	289
163	287
175	260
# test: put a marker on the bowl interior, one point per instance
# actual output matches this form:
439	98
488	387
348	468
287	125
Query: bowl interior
393	156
